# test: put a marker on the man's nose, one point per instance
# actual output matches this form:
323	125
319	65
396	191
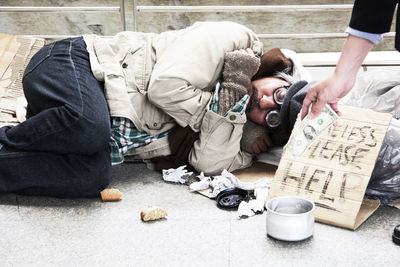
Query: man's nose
267	102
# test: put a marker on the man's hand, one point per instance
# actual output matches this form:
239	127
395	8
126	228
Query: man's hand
328	91
261	144
340	83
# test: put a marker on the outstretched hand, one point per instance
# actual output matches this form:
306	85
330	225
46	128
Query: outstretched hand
328	91
331	90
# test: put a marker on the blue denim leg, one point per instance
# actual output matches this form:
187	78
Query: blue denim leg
62	148
56	175
67	109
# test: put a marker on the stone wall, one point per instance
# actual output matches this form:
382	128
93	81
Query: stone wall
109	23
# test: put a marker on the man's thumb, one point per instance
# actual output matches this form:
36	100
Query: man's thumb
316	109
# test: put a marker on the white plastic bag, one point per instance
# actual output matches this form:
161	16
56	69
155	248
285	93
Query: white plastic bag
380	90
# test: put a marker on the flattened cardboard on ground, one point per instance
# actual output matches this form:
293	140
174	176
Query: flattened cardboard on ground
334	172
256	172
15	54
395	204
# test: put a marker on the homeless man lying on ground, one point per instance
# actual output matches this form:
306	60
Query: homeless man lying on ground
138	90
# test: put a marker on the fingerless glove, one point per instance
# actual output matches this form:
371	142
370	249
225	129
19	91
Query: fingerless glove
239	68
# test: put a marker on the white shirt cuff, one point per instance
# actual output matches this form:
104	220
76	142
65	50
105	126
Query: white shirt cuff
375	38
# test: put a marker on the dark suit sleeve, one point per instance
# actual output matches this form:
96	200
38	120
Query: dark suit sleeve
373	16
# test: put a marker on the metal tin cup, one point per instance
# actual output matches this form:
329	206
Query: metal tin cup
290	218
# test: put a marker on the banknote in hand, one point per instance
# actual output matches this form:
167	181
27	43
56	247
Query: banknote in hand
309	130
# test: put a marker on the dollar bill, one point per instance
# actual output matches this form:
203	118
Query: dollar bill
309	130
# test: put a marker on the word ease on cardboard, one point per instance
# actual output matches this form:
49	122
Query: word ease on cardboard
347	145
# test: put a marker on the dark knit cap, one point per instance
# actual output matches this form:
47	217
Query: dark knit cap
290	109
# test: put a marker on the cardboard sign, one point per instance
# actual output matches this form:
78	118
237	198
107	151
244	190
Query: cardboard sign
15	54
334	172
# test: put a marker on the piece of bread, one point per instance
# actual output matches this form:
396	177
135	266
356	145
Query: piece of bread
152	213
111	194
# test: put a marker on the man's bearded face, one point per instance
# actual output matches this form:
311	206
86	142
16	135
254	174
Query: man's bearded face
262	101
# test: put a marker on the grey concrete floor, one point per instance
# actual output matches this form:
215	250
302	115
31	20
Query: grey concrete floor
40	231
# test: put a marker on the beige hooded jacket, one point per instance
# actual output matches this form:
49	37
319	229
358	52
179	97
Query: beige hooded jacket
157	80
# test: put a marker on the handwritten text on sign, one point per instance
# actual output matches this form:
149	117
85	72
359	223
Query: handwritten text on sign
335	170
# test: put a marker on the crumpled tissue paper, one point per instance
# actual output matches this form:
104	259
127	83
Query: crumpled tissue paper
248	209
179	175
228	180
203	184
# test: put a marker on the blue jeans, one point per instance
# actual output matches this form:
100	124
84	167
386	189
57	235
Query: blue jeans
62	149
